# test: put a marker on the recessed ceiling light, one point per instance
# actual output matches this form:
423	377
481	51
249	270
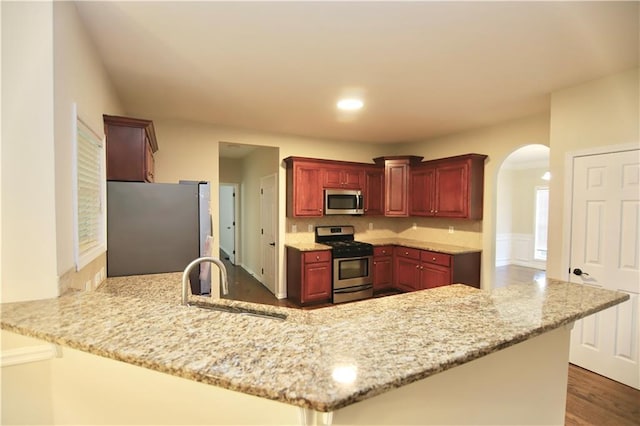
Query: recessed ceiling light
350	104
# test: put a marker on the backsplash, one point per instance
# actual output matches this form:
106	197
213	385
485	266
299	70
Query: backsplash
466	233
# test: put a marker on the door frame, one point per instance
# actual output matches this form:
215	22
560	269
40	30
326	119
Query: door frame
236	218
279	294
565	256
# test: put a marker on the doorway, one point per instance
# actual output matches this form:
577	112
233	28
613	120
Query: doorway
244	166
229	194
522	216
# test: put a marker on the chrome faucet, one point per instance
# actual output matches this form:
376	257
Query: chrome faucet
187	271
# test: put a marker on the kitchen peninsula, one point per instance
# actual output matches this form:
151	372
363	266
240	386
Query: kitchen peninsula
453	354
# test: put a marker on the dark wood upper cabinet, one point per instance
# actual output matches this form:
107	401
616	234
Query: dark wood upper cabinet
396	183
398	186
374	191
449	187
131	143
343	177
304	188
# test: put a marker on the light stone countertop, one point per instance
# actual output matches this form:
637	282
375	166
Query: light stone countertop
308	246
387	342
418	244
422	245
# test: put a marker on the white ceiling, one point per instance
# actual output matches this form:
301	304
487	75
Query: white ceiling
423	68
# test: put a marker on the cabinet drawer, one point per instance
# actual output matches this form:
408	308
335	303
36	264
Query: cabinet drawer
317	256
407	252
383	251
436	258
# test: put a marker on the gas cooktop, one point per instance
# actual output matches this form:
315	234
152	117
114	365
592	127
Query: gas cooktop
341	240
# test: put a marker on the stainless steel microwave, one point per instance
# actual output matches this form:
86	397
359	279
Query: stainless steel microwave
343	201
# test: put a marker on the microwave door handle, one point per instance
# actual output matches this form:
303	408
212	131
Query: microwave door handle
360	202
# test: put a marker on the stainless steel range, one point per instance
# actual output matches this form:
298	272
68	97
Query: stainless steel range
352	263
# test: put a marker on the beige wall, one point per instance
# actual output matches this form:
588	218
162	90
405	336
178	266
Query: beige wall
504	199
523	199
80	78
28	264
598	114
47	64
231	170
260	163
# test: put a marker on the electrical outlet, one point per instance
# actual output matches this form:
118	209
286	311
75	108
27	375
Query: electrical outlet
370	226
451	229
294	228
414	226
96	280
310	228
87	285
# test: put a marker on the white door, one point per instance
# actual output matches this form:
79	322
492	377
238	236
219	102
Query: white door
605	252
268	217
227	213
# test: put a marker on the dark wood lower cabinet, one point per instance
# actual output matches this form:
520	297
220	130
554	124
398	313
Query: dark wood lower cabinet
308	276
415	269
382	268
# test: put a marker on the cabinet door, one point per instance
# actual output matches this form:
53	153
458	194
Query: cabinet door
343	177
352	178
316	281
382	268
307	190
331	177
452	189
432	276
421	188
396	185
374	192
406	273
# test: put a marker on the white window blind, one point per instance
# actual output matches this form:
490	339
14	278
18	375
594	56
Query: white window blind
89	194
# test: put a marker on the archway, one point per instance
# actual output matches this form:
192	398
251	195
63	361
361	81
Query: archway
521	216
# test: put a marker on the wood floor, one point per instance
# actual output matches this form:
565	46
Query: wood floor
591	398
596	400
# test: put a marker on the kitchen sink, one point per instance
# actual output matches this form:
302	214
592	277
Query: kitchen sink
240	311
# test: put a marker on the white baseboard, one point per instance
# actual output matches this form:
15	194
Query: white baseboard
531	264
517	249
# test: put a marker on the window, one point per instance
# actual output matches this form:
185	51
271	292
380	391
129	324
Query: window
542	222
89	193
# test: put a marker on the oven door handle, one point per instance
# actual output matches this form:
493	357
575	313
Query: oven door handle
353	289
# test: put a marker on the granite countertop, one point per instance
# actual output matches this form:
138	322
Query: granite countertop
308	246
422	245
418	244
385	343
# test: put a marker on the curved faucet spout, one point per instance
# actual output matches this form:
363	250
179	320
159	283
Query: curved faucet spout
187	271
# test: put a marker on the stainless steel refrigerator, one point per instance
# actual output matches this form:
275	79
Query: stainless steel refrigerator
157	227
